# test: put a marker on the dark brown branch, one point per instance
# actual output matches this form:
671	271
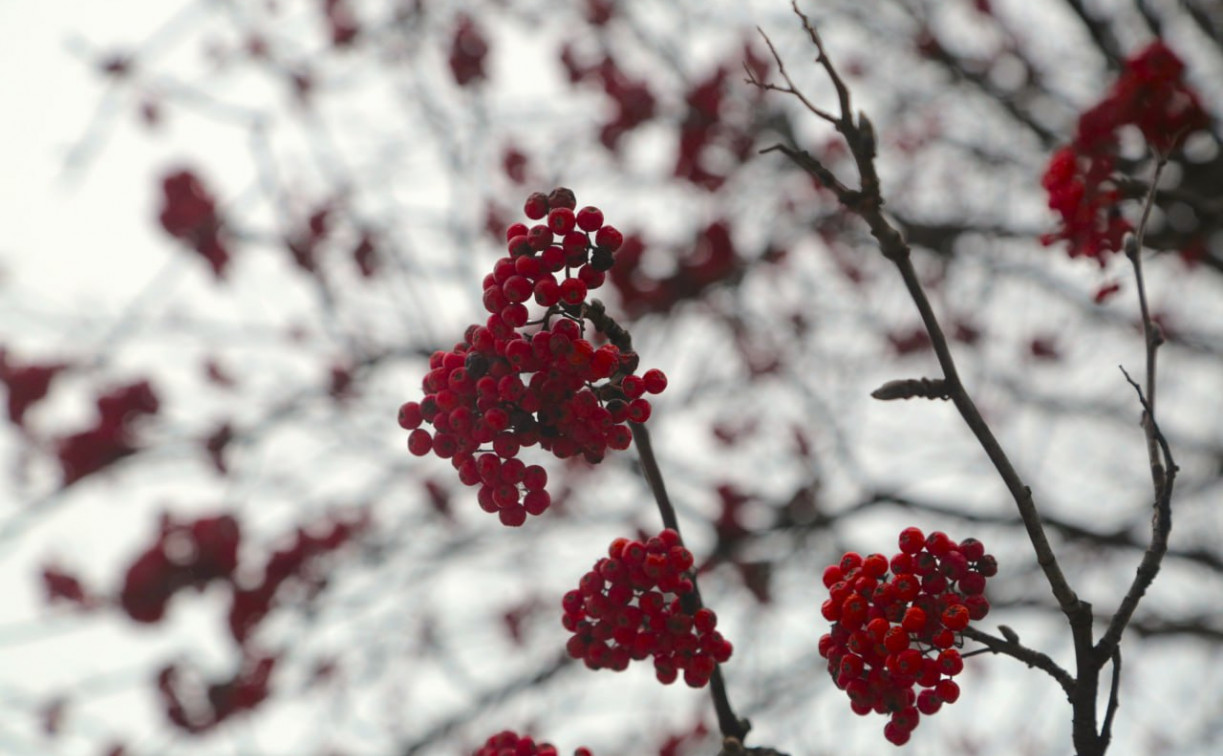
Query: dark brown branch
1161	528
1163	466
867	203
729	725
1114	692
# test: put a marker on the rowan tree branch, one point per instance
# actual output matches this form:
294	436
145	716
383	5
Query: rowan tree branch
867	202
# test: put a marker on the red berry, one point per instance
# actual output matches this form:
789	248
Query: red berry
972	583
536	206
955	617
972	549
590	219
409	416
943	639
513	516
950	663
609	238
948	690
875	566
977	606
896	639
852	560
517	229
633	386
561	220
928	702
420	442
896	735
912	540
938	544
639	410
914	620
573	291
654	380
562	197
536	502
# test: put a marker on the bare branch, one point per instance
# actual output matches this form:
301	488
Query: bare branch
1031	657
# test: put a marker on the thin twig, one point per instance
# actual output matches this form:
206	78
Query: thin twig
730	725
1028	656
1150	332
1114	691
789	89
1163	466
1152	558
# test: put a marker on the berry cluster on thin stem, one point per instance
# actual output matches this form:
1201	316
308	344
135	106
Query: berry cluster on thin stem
867	203
730	725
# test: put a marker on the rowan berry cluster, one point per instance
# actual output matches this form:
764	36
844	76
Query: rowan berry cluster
897	623
639	602
514	382
510	743
1150	95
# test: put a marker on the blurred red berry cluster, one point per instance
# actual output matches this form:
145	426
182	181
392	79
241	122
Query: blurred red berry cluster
632	605
189	213
221	699
503	388
634	102
468	49
896	623
199	553
26	384
185	555
112	437
1149	95
710	258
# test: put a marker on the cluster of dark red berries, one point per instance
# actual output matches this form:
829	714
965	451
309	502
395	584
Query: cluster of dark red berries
638	602
185	555
1151	95
189	213
510	743
514	383
112	437
222	698
896	624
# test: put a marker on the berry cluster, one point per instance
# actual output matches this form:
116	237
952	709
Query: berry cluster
504	388
638	602
510	743
185	555
189	212
1082	192
112	437
1149	95
221	699
896	623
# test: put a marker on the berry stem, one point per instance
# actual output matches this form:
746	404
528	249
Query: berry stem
1017	650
